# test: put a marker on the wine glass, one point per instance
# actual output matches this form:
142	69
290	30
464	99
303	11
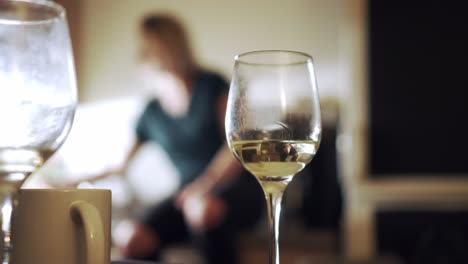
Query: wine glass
37	95
273	123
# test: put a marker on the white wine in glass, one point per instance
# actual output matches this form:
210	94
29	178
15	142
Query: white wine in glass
37	96
276	160
273	122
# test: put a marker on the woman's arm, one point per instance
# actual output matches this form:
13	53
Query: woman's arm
129	157
119	170
221	169
224	166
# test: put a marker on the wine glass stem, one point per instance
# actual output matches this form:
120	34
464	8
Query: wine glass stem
274	194
7	204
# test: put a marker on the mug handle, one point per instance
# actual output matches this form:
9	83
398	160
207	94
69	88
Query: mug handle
88	216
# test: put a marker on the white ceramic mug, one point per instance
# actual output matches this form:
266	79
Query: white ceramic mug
62	226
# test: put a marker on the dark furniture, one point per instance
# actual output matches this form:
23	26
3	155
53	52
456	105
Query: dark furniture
418	118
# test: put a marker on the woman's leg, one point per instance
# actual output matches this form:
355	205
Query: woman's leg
142	244
244	203
161	226
217	245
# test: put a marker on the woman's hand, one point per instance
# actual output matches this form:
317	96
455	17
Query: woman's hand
203	213
199	187
201	209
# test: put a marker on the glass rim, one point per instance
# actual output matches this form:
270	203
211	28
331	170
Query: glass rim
48	4
304	58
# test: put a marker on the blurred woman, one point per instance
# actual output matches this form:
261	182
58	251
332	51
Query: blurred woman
186	117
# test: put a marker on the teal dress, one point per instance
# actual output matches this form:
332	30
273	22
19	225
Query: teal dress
190	141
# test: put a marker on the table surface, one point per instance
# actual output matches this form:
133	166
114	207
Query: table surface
132	262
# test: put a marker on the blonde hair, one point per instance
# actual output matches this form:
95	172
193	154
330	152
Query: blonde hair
171	34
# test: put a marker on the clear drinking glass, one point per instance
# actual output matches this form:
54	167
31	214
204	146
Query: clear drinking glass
37	95
273	122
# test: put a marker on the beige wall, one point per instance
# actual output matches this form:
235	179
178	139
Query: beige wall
219	29
74	15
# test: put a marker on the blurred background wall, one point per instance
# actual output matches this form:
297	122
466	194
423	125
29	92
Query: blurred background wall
105	40
105	37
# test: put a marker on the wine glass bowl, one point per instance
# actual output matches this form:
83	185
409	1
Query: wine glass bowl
37	94
273	123
37	83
